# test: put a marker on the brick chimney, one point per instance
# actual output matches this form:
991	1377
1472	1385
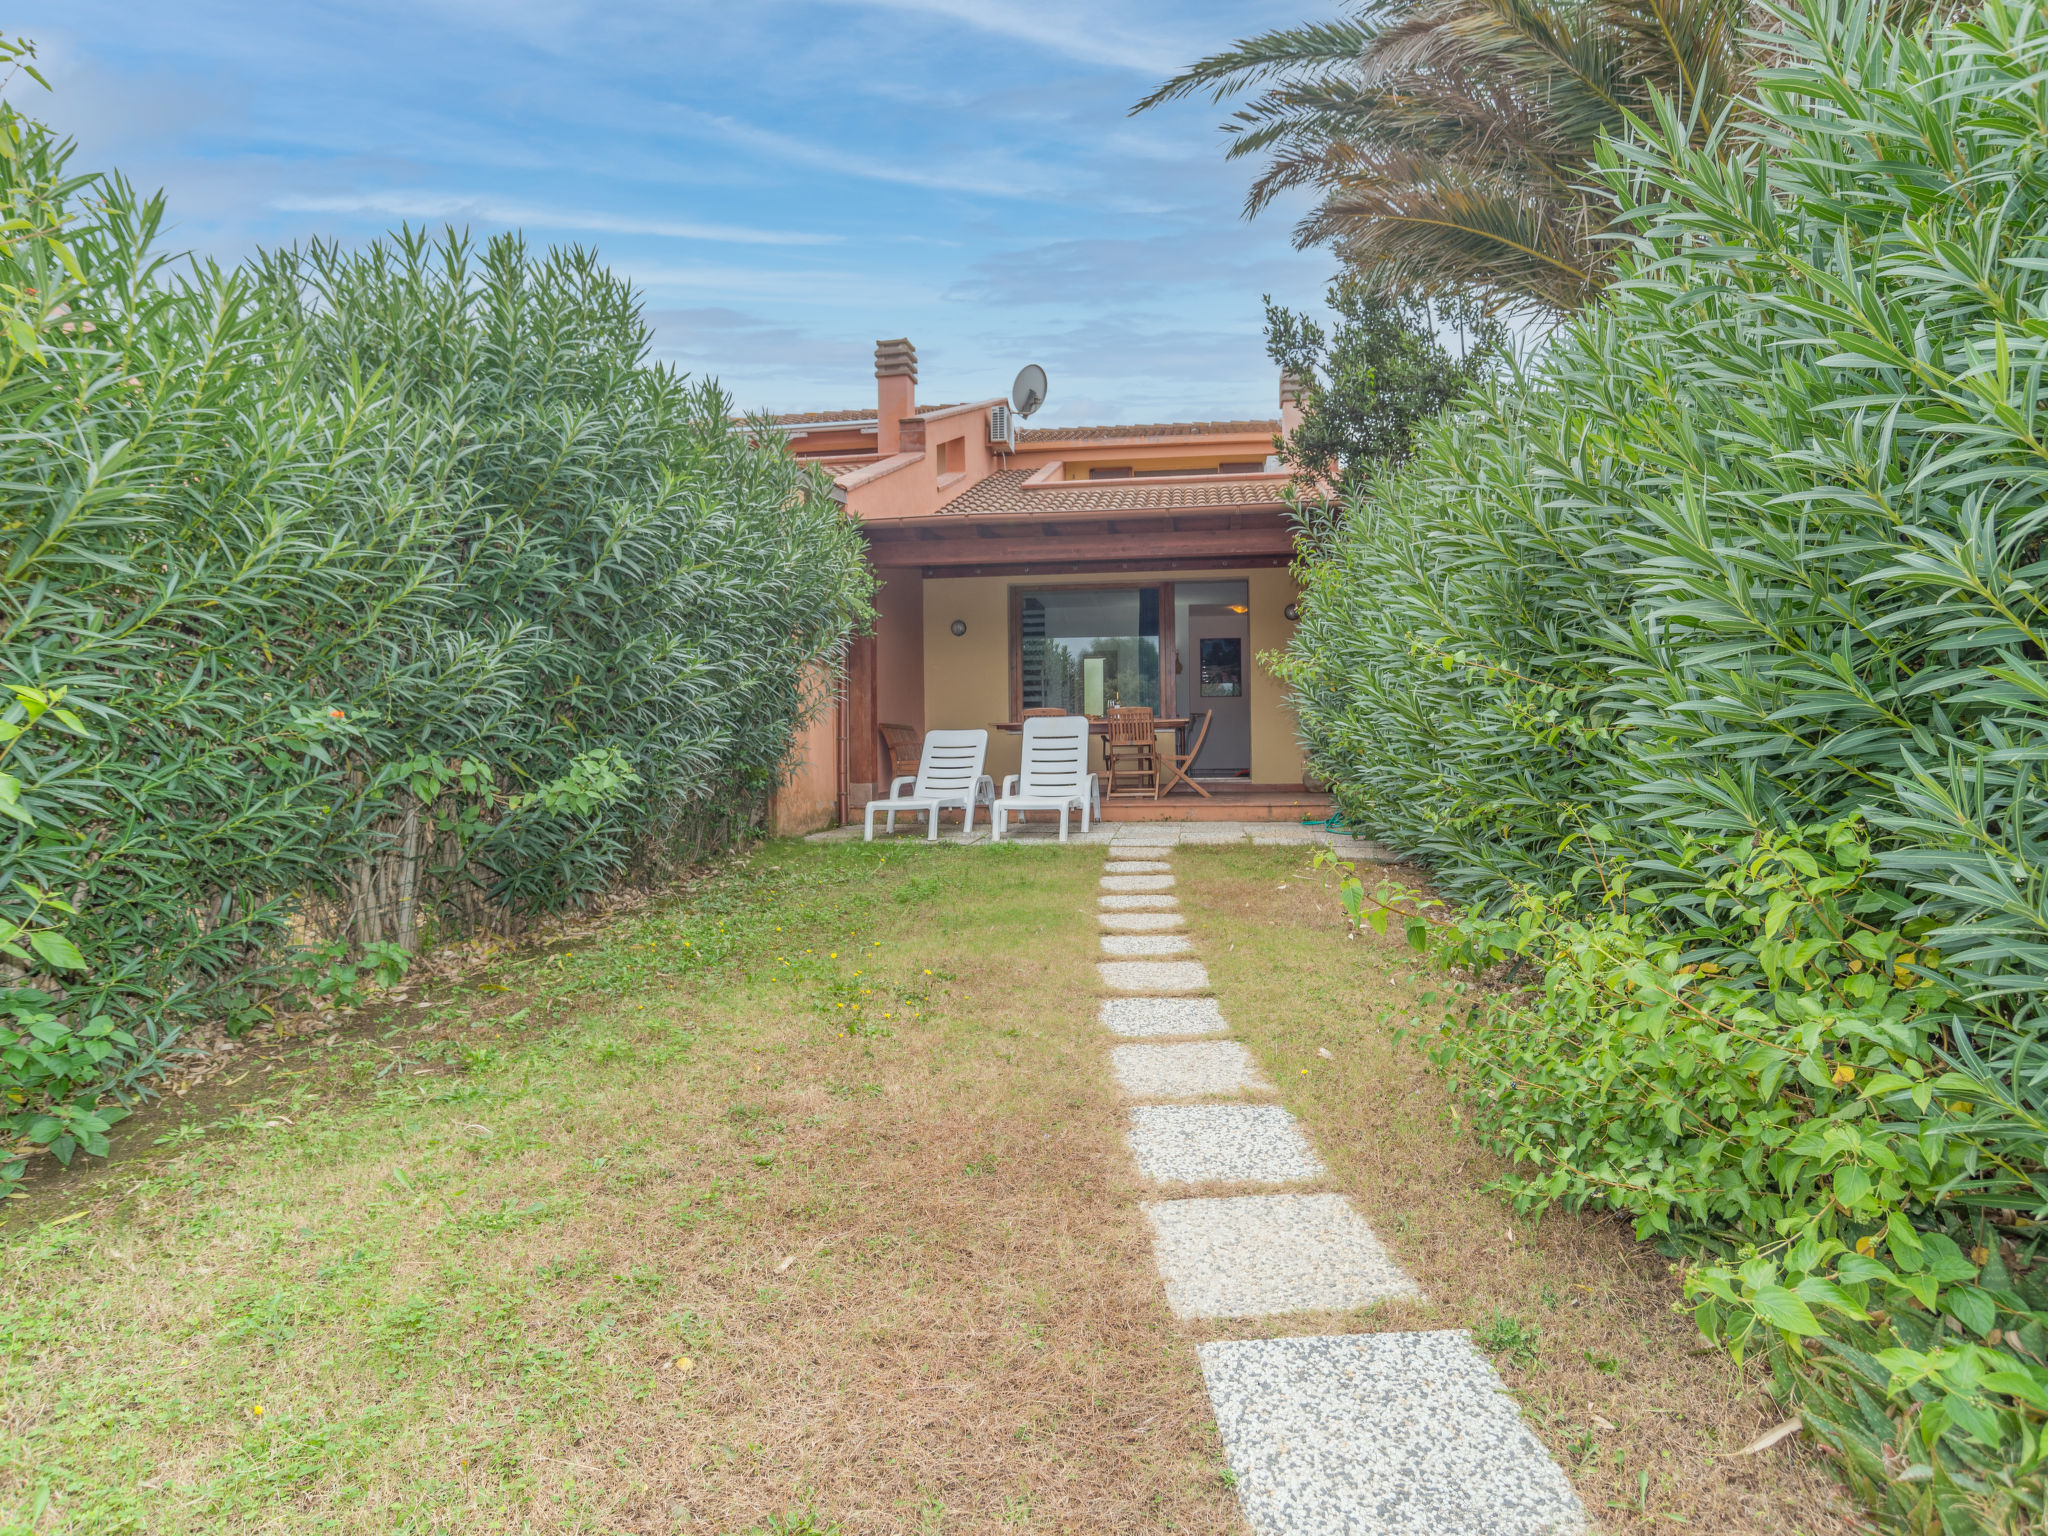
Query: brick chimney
1290	405
895	392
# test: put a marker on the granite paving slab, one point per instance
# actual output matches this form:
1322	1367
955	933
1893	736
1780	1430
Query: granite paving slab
1220	1144
1274	837
1186	1071
1368	853
1153	975
1137	903
1384	1434
1259	1255
1140	1016
1129	944
1137	867
1214	832
1139	922
1049	834
1136	883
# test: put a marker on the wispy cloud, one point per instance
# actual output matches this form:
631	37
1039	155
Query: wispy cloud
1064	30
783	180
454	207
988	174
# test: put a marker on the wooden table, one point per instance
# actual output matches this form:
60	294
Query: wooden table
1178	724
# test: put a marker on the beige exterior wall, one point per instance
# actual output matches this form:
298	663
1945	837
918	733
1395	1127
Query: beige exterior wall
1276	753
967	677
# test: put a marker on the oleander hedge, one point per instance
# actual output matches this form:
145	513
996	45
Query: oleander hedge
1705	661
352	598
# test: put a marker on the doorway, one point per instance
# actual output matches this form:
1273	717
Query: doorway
1214	656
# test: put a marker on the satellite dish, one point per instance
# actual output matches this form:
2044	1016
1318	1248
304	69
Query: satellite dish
1028	393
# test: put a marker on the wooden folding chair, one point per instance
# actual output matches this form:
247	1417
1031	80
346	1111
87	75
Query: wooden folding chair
1132	751
899	742
1180	764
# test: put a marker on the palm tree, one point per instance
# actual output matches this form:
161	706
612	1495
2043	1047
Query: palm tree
1451	140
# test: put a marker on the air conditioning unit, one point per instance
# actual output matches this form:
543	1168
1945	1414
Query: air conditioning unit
1002	428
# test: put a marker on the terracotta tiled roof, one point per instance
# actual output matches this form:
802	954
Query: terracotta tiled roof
1054	434
1003	494
1148	429
821	418
832	418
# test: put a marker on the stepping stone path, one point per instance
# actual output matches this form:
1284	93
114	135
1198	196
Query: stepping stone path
1377	1434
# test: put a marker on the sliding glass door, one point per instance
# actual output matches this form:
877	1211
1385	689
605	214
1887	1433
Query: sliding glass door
1083	649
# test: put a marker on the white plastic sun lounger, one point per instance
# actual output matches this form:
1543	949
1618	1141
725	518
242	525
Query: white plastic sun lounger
1055	774
948	774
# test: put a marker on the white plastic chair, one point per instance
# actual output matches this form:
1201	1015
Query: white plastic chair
1055	773
948	774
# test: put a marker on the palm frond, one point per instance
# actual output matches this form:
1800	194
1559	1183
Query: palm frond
1505	101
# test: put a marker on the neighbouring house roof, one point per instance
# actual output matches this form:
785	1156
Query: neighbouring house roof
818	418
1148	429
844	418
1053	434
1003	495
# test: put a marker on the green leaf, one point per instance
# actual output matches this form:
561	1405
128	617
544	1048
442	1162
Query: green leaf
1785	1311
1852	1188
1973	1308
1904	1242
57	950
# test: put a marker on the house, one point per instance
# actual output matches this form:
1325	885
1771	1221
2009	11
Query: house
1074	567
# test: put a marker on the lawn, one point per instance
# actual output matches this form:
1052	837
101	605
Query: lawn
793	1202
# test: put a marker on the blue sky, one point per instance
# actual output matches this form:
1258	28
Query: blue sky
786	180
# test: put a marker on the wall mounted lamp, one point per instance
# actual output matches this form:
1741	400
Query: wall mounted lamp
1291	612
959	626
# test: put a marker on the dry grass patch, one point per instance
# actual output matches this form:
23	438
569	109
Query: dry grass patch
1579	1317
766	1220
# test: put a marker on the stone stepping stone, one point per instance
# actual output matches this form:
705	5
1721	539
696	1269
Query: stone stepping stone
1153	975
1220	1144
1137	903
1137	867
1260	1255
1146	944
1136	883
1186	1071
1130	1016
1268	1254
1364	852
1139	922
1383	1434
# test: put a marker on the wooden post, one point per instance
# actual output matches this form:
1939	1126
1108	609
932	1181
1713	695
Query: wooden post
1169	698
862	738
